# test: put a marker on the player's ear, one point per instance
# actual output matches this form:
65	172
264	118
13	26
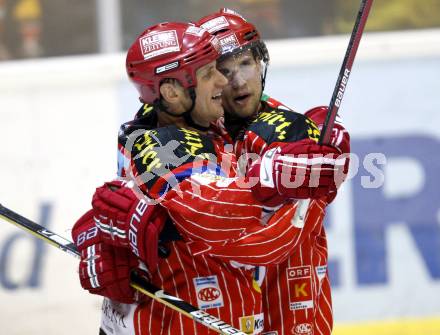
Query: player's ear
171	91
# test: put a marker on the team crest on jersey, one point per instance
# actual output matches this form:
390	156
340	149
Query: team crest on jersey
209	294
303	329
299	283
252	324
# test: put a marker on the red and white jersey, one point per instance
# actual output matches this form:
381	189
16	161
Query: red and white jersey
213	209
223	227
221	224
228	293
296	292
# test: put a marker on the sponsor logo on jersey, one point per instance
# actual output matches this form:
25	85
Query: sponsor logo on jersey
321	271
275	119
312	130
270	333
252	324
266	168
215	24
299	283
159	43
144	148
208	292
303	329
192	142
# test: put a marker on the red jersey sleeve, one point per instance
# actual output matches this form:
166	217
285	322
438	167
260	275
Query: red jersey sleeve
210	206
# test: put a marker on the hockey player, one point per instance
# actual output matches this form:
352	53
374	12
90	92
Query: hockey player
296	292
174	69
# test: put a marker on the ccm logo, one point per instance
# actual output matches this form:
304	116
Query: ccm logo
135	219
303	329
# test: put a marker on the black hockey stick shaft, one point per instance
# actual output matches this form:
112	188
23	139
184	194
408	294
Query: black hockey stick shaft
338	93
137	281
345	71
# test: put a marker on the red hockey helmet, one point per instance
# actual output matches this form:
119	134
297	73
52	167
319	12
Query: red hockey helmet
234	33
169	50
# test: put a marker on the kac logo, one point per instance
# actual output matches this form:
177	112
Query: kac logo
208	294
303	329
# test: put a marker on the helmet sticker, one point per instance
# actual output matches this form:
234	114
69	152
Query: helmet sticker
229	42
215	24
196	31
159	43
216	44
167	67
233	12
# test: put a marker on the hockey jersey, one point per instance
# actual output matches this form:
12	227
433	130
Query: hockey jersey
195	178
296	292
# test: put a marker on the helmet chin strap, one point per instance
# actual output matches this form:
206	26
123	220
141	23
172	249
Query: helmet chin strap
187	115
263	78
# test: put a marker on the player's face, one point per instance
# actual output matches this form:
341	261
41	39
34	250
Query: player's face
241	97
210	84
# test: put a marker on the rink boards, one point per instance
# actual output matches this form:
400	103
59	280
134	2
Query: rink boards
59	120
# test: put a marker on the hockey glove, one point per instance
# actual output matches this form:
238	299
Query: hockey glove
340	139
124	220
104	269
298	170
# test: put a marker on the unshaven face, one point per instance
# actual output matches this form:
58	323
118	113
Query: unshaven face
241	96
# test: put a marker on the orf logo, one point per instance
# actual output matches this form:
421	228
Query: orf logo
303	329
208	294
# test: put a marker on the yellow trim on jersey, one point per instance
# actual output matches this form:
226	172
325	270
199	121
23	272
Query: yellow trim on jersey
147	108
256	286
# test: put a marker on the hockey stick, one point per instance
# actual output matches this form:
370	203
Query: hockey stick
344	73
137	281
338	94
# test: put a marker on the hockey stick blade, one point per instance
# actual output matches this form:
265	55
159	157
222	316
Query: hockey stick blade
137	281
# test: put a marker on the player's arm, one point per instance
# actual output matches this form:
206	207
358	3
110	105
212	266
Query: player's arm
282	239
292	165
207	207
